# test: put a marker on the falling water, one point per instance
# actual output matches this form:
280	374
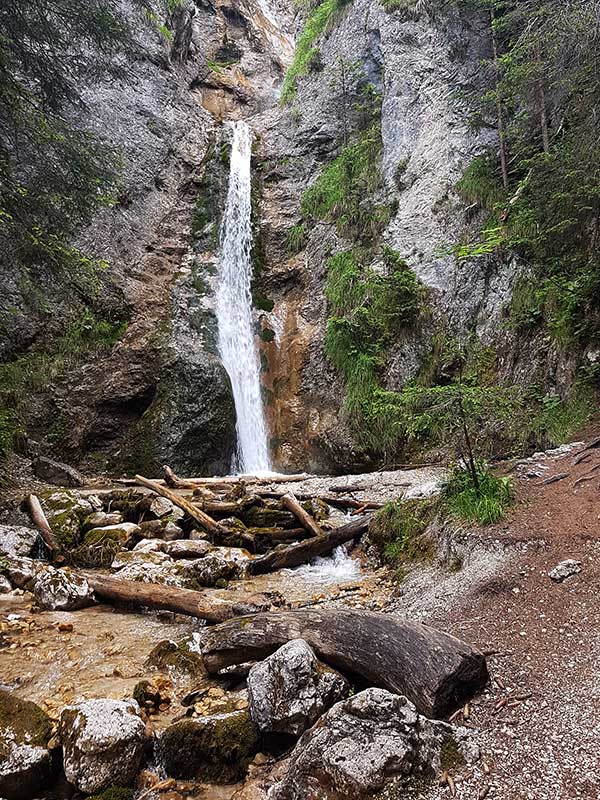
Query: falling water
234	309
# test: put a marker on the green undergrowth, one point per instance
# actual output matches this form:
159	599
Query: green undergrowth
319	21
398	532
484	503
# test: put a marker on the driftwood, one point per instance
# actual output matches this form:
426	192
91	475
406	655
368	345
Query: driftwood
438	672
203	519
331	500
301	552
289	501
41	523
169	598
582	454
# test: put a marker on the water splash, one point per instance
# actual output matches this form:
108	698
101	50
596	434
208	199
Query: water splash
237	344
336	568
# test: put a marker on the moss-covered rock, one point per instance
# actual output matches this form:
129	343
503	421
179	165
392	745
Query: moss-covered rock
268	517
216	748
175	656
25	763
67	512
100	545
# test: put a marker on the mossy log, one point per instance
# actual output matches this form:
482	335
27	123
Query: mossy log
41	523
169	598
435	670
299	553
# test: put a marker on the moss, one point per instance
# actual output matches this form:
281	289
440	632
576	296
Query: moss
399	532
66	517
267	334
99	547
26	720
177	656
217	748
262	302
451	756
114	793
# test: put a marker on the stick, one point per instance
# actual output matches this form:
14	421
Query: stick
208	523
289	501
41	523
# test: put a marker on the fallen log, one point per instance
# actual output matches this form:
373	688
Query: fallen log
304	518
301	552
203	519
331	500
279	534
174	482
436	671
169	598
41	523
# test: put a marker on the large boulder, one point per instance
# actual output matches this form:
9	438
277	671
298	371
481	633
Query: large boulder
62	590
362	744
216	748
25	762
57	473
66	513
103	742
18	541
291	689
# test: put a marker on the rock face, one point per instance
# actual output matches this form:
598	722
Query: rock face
359	746
56	473
291	689
215	748
62	590
25	763
18	541
102	742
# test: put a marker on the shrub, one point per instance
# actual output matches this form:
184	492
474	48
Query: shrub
398	531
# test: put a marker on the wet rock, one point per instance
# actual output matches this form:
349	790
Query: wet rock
18	541
5	585
161	529
177	656
102	743
66	512
160	506
57	473
212	568
184	548
62	590
21	571
291	689
565	570
25	763
217	748
100	519
362	744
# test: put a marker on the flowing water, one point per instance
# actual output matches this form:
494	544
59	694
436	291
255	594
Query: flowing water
237	344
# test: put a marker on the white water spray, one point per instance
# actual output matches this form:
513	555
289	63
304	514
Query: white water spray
234	309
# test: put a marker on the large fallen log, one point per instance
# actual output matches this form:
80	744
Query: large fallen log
203	519
436	671
169	598
304	518
301	552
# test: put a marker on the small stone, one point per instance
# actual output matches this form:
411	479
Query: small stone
564	570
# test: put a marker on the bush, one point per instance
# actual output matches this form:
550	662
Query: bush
398	531
484	504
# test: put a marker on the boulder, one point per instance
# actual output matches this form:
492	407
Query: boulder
184	548
25	762
366	743
18	541
210	570
103	742
100	519
179	657
66	512
160	506
62	590
161	529
149	546
123	533
216	748
21	571
5	585
291	689
150	567
57	473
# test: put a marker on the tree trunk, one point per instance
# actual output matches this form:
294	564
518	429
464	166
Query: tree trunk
169	598
208	523
499	111
436	671
289	501
301	552
41	523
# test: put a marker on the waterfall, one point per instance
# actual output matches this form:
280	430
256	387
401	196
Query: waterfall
234	309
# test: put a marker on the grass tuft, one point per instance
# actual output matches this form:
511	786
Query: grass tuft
486	504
